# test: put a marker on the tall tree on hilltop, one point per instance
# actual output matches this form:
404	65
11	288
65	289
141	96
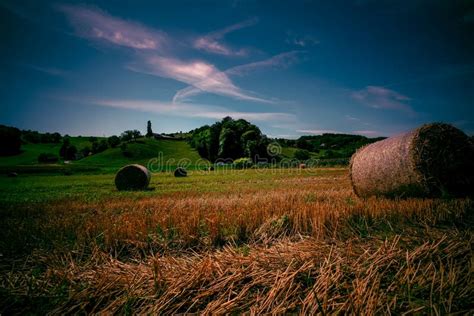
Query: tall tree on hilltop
149	131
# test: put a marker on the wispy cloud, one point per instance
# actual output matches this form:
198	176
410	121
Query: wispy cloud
93	23
352	118
317	131
211	42
383	98
188	110
202	76
282	60
153	53
301	41
47	70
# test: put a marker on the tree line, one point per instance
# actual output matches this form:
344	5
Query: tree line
229	139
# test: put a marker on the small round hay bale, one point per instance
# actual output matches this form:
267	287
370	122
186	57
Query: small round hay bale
180	172
433	160
132	177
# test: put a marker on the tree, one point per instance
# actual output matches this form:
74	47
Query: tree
64	147
149	131
136	134
303	144
99	146
71	153
229	139
302	154
47	158
130	135
86	151
113	141
126	136
229	146
10	140
67	151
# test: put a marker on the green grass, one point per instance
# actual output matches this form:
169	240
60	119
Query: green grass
27	189
289	152
144	151
30	152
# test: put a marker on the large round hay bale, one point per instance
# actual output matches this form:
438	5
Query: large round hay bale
132	177
180	172
431	161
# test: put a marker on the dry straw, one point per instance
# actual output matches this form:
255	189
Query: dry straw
132	177
433	160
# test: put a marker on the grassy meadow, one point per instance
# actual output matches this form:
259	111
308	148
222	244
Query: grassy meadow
230	241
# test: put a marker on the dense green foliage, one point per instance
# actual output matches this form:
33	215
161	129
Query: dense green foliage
10	140
229	139
301	154
35	137
113	141
67	150
334	145
47	158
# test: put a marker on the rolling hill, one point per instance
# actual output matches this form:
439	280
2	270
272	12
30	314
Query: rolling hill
109	160
171	151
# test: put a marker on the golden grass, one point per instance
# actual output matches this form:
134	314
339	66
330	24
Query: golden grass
265	244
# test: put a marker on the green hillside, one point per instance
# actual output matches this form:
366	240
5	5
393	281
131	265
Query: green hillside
30	151
141	152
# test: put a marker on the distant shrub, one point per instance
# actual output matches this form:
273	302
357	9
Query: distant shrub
180	172
99	146
47	158
124	148
302	154
10	140
243	163
86	151
67	151
113	141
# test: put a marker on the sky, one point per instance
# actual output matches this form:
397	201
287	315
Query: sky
368	67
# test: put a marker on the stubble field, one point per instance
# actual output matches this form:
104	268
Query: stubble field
257	241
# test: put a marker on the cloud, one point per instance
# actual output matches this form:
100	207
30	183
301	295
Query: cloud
187	110
301	41
95	24
202	76
317	131
47	70
282	60
210	42
366	133
352	118
383	98
152	56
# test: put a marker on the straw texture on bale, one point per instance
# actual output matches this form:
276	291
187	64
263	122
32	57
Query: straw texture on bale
433	160
132	177
180	172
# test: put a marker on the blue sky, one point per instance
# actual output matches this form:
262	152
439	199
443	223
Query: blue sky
374	68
